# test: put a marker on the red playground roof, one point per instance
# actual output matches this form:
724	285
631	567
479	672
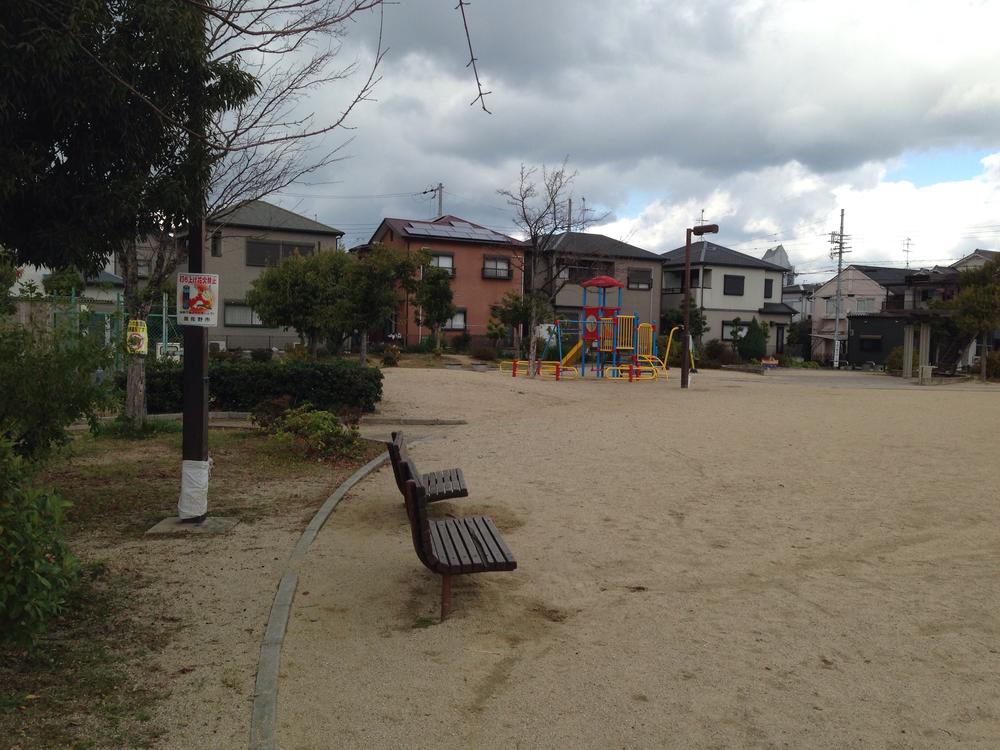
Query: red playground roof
602	282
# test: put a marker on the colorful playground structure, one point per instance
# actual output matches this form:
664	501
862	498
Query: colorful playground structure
608	343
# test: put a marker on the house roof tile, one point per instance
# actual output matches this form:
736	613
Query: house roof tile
264	215
710	254
590	244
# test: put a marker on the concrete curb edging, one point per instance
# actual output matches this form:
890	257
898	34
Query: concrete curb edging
264	717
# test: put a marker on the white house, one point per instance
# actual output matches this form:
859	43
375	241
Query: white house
728	285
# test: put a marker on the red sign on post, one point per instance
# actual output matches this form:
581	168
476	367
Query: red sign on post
198	299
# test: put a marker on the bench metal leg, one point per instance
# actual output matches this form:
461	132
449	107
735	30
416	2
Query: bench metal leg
445	596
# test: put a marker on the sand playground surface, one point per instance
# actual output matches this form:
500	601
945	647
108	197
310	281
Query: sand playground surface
801	560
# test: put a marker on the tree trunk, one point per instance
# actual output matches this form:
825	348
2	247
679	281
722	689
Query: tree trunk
982	360
437	341
135	392
313	345
363	348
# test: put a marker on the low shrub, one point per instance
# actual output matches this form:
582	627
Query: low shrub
266	416
460	342
319	434
714	349
226	355
391	356
261	355
36	567
240	386
487	353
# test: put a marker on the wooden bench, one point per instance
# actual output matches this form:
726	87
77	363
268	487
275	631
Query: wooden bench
440	485
453	546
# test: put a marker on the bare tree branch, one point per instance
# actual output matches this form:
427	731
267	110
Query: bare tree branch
472	60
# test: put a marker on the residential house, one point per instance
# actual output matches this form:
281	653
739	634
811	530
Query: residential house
864	290
872	335
727	285
240	245
976	259
800	298
484	265
579	256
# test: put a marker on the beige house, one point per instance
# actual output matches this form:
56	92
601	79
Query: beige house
239	245
728	285
581	255
863	289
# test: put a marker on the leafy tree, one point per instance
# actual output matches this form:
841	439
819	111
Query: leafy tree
495	331
375	280
699	325
435	300
306	293
62	282
751	343
523	312
36	364
976	307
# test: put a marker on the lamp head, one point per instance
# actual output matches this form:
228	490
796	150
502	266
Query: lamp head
705	229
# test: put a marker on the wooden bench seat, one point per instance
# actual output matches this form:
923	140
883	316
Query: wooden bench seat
453	546
439	485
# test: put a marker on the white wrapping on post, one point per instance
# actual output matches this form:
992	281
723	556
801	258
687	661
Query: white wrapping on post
193	500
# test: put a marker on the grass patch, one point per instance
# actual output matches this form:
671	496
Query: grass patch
428	360
81	690
423	622
123	486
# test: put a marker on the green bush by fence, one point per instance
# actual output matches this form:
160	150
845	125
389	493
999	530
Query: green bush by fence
241	385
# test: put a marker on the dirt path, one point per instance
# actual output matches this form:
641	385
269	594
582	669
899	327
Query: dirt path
797	561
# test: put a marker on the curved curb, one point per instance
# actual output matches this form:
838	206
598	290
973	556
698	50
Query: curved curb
264	718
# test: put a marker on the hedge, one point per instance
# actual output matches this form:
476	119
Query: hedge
240	386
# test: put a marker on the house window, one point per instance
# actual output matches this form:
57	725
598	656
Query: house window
866	304
577	274
732	285
456	322
707	282
217	244
731	331
870	343
768	288
262	253
445	262
831	306
142	267
640	279
496	267
239	313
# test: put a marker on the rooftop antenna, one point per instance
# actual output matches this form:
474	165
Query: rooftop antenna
906	249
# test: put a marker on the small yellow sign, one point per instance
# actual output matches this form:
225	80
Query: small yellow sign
137	337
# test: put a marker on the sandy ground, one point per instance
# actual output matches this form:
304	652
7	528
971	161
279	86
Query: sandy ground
799	560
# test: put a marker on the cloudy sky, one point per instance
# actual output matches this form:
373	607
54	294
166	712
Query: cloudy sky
769	115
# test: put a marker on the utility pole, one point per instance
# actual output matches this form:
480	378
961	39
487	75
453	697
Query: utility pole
440	192
569	215
837	240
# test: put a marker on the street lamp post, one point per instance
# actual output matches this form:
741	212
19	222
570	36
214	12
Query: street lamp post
686	351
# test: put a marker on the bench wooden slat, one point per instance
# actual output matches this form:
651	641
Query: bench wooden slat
492	549
465	559
495	533
440	485
473	547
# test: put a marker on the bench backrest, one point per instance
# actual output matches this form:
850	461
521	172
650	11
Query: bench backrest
420	529
398	456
